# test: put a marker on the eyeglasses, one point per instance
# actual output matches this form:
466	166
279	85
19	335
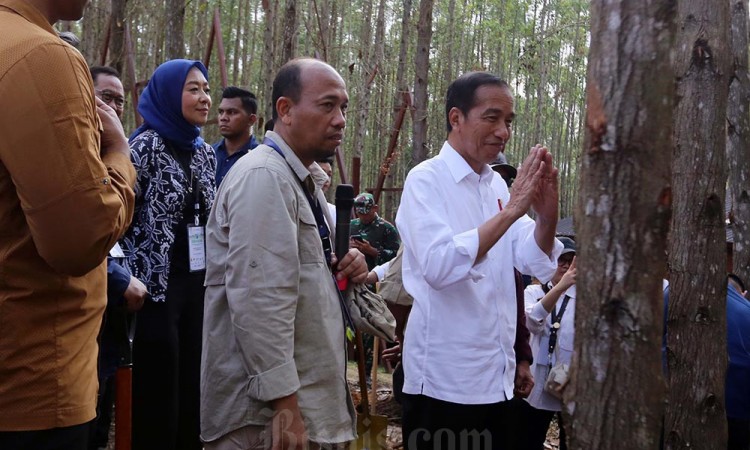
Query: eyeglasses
565	261
108	96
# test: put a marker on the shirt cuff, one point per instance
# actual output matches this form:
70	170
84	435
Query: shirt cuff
543	266
278	382
381	270
538	314
467	243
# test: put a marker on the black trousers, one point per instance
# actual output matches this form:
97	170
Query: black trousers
166	368
431	424
67	438
531	425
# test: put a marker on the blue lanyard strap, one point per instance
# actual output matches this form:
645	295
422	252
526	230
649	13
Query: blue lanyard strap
323	230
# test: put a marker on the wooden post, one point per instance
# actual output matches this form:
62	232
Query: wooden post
387	161
105	45
215	35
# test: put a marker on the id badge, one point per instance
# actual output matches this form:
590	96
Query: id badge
197	248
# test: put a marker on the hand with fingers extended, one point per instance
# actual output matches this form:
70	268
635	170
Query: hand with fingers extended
546	203
569	279
527	186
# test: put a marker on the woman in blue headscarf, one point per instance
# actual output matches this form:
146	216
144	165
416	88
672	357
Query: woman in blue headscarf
165	249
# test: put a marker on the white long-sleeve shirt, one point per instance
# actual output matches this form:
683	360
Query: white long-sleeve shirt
459	342
539	321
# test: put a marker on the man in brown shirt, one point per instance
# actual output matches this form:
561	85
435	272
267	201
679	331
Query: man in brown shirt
65	198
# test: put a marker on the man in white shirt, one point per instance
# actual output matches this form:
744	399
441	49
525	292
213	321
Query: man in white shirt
463	233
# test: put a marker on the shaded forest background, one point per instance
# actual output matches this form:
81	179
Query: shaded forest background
538	46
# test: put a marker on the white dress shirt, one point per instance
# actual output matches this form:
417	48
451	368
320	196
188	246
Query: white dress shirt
459	342
539	321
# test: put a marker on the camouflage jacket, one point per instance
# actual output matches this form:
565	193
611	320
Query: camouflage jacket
382	235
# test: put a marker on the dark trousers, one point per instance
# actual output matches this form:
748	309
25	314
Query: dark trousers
531	425
99	433
431	424
68	438
739	434
166	368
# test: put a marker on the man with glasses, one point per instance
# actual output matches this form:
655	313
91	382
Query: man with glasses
108	87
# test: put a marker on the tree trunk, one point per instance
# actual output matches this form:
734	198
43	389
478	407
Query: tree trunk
117	44
421	74
175	32
362	102
697	352
617	390
290	31
269	19
738	140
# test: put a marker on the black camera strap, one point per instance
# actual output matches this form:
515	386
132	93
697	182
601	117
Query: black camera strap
556	319
323	230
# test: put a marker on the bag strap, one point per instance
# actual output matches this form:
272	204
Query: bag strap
323	230
556	319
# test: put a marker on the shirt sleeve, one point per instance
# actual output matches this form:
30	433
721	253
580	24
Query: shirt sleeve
535	312
527	256
445	257
76	202
381	270
262	279
118	280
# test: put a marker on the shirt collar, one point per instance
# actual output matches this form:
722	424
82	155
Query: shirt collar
222	146
459	168
28	12
298	168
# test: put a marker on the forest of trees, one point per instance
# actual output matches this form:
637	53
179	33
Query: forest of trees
650	136
538	46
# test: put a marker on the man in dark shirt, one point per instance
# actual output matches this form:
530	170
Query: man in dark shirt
236	118
371	234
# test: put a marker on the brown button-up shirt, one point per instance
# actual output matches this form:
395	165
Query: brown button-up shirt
62	207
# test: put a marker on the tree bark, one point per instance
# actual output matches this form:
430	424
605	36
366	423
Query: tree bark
421	75
175	29
697	352
617	389
269	69
290	31
117	44
738	140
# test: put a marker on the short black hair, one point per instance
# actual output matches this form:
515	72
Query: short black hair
249	100
461	93
287	83
737	280
103	70
268	126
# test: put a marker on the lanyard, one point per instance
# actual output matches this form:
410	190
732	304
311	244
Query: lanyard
192	187
323	230
556	319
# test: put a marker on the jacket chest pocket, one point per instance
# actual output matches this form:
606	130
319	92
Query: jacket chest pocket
310	244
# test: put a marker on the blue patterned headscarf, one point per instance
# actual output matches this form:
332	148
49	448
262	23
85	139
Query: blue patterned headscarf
161	104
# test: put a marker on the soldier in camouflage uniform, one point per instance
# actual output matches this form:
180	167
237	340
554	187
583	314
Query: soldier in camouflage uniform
378	240
371	234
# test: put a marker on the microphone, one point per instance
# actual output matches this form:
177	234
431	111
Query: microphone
344	204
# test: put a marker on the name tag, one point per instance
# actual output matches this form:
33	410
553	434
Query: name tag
116	251
197	247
